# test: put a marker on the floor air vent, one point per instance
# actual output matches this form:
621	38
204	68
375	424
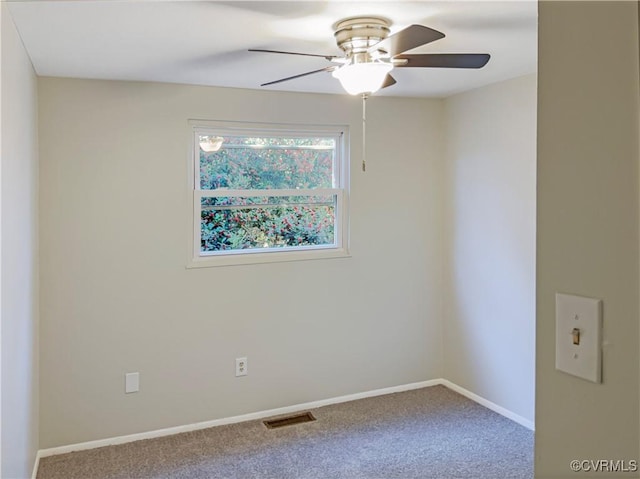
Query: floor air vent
289	420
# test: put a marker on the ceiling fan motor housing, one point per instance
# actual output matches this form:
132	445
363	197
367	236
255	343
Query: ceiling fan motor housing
355	35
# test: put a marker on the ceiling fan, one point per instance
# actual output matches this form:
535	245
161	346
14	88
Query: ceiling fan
370	54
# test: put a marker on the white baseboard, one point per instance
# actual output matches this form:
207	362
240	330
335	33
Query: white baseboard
36	464
489	405
278	411
231	420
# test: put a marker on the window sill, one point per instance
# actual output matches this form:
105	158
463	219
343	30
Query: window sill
260	258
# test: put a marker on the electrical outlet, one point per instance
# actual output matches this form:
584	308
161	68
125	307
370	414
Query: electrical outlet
241	367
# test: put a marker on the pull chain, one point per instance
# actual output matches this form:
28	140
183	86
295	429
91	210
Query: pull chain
364	132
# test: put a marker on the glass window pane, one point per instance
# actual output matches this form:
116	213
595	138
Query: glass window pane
241	223
243	162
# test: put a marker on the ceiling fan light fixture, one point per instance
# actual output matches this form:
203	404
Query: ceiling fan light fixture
362	78
209	144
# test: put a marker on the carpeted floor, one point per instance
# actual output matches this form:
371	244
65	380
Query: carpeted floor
430	433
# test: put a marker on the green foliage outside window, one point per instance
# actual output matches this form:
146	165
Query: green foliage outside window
252	222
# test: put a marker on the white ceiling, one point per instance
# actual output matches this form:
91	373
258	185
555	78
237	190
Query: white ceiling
206	42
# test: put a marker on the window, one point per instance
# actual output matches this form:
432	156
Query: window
268	193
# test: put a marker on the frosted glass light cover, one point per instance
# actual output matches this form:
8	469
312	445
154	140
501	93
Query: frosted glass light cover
361	78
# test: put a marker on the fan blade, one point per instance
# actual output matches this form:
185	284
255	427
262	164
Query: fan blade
327	57
411	37
444	60
388	81
327	69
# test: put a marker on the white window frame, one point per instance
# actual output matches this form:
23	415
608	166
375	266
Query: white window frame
254	256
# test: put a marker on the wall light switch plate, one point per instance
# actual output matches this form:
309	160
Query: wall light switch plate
579	336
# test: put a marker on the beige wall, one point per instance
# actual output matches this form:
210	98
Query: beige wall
18	255
119	299
490	215
587	226
116	296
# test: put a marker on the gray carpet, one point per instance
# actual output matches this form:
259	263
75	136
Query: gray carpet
430	433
